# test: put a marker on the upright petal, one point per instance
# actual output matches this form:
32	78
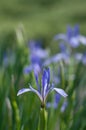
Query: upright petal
69	32
76	30
46	77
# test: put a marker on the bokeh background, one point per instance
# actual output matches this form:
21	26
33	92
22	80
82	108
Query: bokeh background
20	22
42	18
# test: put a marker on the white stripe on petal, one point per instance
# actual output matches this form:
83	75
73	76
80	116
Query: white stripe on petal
61	92
45	90
24	90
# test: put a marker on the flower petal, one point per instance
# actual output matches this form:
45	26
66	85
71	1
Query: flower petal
27	69
60	37
82	39
76	30
60	91
24	90
45	77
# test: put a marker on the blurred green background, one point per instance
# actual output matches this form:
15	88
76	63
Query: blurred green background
42	18
39	19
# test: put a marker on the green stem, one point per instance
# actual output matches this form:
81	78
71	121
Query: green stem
42	119
62	74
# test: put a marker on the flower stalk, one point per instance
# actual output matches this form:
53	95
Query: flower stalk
62	75
43	119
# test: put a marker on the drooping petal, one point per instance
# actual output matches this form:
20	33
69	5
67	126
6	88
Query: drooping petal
74	42
23	90
54	59
60	37
37	50
82	39
41	53
61	92
78	56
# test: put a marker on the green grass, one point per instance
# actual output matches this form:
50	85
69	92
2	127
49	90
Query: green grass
42	21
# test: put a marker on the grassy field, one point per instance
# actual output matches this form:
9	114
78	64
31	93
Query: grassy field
42	20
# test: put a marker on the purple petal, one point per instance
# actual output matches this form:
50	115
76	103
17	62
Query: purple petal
61	92
82	39
63	47
54	59
46	77
84	59
57	98
37	50
57	58
45	81
24	90
27	69
76	30
64	106
74	42
60	37
35	59
78	56
69	33
41	53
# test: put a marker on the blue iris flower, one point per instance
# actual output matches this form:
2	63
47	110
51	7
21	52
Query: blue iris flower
73	37
36	57
36	64
37	50
45	88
